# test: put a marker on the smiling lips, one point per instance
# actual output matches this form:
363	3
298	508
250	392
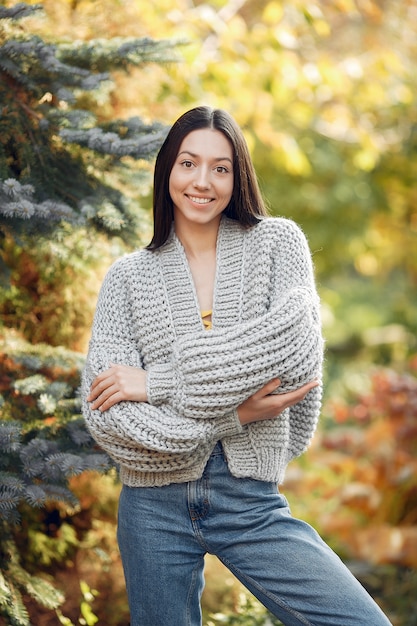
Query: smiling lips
200	200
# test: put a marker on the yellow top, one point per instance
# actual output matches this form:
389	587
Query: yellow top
206	316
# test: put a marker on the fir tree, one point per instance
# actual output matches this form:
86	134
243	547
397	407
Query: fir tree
43	178
55	166
43	443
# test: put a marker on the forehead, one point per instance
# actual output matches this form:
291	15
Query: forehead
207	142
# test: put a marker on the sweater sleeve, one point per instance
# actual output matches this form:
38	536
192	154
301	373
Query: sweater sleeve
213	372
128	430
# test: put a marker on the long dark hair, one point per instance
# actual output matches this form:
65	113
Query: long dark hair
246	204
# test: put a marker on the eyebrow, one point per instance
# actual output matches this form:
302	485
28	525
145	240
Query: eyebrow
195	156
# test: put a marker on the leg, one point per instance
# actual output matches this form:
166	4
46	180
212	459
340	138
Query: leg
281	560
311	586
163	563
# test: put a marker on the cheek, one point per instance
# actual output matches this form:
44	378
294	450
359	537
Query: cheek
229	191
176	182
172	185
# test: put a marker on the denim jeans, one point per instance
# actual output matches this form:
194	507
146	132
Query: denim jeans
164	533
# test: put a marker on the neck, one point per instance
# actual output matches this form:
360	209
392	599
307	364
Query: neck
197	239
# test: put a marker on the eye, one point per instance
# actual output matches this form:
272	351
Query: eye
221	169
187	164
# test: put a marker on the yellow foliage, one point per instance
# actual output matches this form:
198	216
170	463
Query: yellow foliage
48	550
273	13
295	161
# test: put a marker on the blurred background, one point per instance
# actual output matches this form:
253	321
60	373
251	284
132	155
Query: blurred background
325	92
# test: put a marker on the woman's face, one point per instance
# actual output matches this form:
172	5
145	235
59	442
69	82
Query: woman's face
201	179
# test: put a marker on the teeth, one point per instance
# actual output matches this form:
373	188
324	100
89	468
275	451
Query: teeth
200	200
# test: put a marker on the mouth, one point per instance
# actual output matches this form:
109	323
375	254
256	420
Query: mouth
198	200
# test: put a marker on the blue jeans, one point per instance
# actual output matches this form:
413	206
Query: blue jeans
164	533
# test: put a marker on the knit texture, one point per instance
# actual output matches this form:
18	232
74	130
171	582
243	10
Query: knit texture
266	324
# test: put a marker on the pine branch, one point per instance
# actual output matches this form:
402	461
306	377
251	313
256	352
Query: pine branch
63	464
44	592
117	53
11	482
31	384
35	495
17	55
10	437
19	11
98	462
17	201
11	517
14	579
111	143
15	608
5	593
79	434
39	135
57	493
9	499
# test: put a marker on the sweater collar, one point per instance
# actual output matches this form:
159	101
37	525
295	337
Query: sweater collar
180	289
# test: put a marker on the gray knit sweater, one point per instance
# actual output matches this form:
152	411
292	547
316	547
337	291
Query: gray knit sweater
266	324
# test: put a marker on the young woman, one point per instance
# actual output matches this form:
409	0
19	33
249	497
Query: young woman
203	381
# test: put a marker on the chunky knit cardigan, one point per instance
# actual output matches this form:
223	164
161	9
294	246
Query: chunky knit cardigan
266	324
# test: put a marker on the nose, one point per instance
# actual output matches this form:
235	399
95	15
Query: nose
202	178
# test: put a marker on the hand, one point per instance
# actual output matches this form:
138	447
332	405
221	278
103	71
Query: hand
118	383
264	405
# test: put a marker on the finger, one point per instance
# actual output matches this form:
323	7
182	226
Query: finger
301	391
100	383
310	385
110	371
100	397
96	383
299	394
94	393
285	400
104	405
267	389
